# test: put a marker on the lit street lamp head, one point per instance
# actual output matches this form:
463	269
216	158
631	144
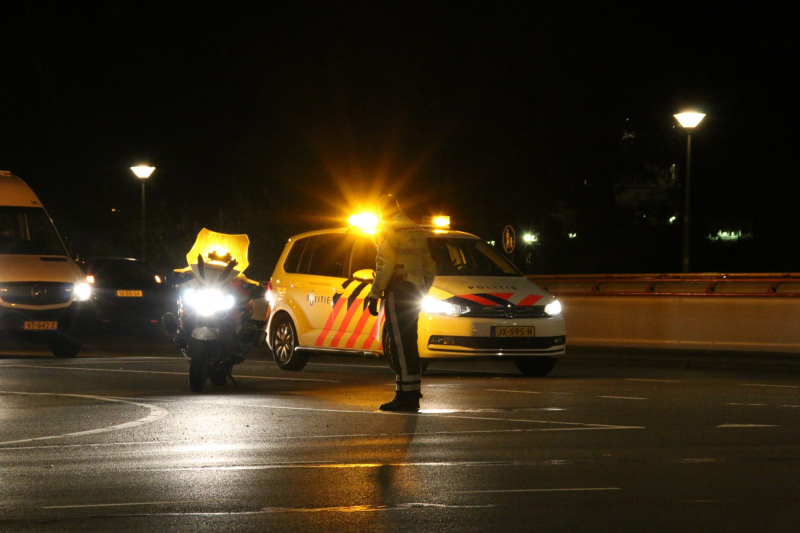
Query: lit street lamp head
143	171
689	119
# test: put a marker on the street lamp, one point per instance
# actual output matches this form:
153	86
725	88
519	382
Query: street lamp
143	172
688	120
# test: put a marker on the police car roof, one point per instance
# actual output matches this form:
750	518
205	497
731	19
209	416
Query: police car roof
430	232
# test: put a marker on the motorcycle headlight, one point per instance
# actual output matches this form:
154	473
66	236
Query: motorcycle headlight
208	301
432	306
81	291
553	308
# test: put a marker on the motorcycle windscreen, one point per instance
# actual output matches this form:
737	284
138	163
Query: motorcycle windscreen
219	249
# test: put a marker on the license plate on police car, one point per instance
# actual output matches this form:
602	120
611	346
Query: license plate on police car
513	331
40	325
129	294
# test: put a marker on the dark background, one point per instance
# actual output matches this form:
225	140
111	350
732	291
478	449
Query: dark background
272	118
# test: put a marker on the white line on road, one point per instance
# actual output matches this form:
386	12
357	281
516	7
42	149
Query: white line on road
747	426
773	386
654	380
426	434
533	490
519	391
623	398
156	413
319	465
89	505
161	372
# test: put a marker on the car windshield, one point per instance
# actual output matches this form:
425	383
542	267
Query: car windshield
468	257
120	272
28	231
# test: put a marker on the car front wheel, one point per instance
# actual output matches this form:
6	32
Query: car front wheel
535	366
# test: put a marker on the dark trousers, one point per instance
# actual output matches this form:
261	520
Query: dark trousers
403	304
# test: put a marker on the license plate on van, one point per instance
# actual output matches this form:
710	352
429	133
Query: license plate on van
129	294
513	331
41	325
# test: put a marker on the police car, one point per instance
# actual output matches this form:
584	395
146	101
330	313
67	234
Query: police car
480	305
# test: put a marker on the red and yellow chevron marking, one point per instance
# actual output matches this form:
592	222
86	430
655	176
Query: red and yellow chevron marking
348	322
530	299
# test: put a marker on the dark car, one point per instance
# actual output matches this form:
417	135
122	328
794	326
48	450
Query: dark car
128	294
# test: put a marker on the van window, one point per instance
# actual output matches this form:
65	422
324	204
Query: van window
292	263
364	254
28	231
331	255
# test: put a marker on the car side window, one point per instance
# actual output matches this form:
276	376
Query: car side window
364	253
292	263
331	255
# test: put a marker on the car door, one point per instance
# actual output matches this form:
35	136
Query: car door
327	259
358	329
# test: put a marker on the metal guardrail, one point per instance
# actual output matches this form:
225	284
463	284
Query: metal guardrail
773	285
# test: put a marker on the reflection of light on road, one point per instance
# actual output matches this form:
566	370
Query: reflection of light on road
437	411
208	447
370	508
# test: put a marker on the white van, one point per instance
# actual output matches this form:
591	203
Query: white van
42	290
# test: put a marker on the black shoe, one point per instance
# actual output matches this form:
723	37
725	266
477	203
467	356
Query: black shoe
402	403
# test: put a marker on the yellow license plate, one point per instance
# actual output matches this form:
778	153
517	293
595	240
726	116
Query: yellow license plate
129	294
514	331
41	325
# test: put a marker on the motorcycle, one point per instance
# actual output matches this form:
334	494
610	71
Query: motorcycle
218	318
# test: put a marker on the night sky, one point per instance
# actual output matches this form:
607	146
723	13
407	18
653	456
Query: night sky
271	118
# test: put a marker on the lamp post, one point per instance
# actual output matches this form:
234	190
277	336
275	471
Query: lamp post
143	172
688	121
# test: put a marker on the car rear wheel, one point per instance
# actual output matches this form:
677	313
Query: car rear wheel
388	352
283	342
535	366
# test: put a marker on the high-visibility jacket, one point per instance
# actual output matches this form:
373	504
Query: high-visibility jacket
402	252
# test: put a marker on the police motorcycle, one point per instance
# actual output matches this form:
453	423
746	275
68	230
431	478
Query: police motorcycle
215	324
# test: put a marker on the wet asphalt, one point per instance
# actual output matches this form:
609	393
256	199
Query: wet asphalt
113	440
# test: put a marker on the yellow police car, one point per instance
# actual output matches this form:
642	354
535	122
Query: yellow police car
480	305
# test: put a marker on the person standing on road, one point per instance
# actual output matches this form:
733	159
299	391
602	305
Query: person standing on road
404	273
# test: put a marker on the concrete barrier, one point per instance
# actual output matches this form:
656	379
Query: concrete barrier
727	312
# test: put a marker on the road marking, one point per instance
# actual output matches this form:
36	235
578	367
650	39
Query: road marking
747	426
504	491
580	425
623	398
90	505
349	436
773	386
654	380
315	465
369	508
748	404
156	413
162	372
518	391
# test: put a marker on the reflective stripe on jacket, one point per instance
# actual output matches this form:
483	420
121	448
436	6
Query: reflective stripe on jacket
402	251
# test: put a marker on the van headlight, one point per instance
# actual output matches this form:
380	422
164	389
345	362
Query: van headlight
553	308
207	301
432	306
81	291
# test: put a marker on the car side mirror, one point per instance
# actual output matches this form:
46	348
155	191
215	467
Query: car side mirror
365	274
